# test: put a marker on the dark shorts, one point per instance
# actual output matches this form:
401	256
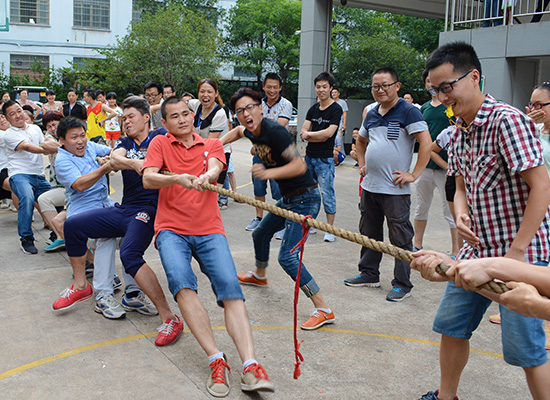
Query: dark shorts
4	194
450	188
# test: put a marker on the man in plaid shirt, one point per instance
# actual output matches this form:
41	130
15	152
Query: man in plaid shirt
501	206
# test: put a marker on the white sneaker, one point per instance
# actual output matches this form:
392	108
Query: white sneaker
140	303
4	203
107	305
329	237
280	234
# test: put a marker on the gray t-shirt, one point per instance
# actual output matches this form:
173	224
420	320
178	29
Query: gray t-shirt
345	108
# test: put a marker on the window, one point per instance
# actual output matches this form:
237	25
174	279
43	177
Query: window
80	61
91	14
30	11
24	64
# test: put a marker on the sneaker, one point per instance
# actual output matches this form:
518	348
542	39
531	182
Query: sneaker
255	379
432	396
139	303
169	332
318	319
495	319
312	231
27	245
89	269
360	280
4	203
255	222
250	278
117	283
280	234
56	245
329	237
52	238
71	296
107	305
217	383
397	294
12	207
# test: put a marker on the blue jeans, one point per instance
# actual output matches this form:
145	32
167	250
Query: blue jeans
305	204
322	170
214	258
27	188
260	186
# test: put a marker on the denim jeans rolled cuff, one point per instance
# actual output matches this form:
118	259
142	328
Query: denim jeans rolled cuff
261	264
310	288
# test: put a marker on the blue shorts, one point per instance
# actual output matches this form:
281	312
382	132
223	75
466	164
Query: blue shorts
214	258
460	313
322	170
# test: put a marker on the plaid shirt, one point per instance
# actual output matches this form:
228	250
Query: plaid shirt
499	144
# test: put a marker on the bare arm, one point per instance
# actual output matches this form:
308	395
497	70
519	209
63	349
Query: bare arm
296	166
344	120
233	135
215	166
283	121
152	179
110	114
361	146
425	142
87	181
47	147
318	136
436	158
120	162
462	213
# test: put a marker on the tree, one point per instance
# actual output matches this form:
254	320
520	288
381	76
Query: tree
207	8
262	37
173	45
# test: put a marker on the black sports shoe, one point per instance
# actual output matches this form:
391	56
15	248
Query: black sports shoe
27	245
89	269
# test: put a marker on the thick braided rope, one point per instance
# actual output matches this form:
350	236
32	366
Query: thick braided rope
394	251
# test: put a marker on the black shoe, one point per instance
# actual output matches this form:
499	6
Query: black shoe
360	280
27	245
89	269
53	237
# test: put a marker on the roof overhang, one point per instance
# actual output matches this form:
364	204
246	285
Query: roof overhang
417	8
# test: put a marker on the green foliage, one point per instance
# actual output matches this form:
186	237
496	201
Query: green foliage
173	45
262	37
41	76
207	8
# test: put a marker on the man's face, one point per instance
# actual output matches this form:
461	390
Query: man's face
179	119
87	98
168	92
463	94
272	89
384	96
335	94
249	113
101	98
16	116
75	141
4	124
134	122
71	96
51	127
408	98
152	96
322	89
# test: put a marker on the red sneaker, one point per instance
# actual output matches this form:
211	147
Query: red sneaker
69	297
318	319
250	278
169	331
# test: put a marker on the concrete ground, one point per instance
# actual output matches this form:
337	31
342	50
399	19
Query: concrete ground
375	350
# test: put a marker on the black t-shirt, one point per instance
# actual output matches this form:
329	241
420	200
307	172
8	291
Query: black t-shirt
322	119
134	192
78	111
270	145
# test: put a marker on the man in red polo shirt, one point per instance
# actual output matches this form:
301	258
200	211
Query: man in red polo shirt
189	224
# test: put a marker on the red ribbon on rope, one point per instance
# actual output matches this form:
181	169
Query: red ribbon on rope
301	244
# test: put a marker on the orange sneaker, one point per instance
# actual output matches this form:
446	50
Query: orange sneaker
495	319
250	278
318	319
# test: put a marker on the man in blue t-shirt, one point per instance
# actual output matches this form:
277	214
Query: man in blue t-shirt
319	130
391	129
133	219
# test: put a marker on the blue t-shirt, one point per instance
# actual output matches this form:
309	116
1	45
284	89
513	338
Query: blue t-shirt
134	192
70	167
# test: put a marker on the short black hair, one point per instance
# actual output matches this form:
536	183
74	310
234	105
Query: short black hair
153	84
355	129
325	76
272	75
171	100
243	92
386	70
169	86
111	95
91	93
7	105
99	91
460	55
28	108
72	90
138	103
49	92
69	123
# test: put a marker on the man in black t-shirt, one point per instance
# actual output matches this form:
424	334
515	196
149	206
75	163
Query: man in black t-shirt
281	162
319	130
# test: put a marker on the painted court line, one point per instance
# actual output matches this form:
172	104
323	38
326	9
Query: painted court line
78	350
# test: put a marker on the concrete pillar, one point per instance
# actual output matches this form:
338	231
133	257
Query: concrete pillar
314	51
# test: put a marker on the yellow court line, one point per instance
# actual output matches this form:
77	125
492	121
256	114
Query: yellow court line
245	185
78	350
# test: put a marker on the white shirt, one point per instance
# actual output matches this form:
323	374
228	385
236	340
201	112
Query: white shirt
3	152
20	161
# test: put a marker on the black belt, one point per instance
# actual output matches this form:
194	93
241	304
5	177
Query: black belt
298	192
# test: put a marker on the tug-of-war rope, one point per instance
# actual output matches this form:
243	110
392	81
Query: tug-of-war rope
309	222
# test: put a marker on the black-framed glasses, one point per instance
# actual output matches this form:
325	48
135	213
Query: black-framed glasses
385	87
149	95
248	108
536	106
446	87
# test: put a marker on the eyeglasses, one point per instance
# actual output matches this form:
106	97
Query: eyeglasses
446	87
152	95
248	108
536	106
385	87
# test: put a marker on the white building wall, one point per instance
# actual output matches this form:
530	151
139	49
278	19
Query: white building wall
60	40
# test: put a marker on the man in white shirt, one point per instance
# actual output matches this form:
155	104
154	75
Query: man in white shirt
25	145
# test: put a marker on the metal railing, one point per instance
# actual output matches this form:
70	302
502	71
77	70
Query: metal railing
471	14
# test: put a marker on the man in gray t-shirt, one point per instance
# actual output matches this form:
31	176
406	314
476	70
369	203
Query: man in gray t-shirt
342	103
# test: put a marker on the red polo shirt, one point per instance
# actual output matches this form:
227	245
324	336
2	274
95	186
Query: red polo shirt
188	212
